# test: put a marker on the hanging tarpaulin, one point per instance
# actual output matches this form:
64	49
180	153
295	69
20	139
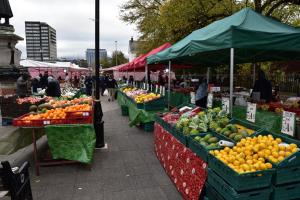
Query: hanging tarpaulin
72	142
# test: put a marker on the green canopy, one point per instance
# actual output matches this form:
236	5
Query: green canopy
253	36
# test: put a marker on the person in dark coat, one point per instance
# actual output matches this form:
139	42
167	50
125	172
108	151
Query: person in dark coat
161	81
111	86
53	88
131	80
35	84
88	85
44	80
263	86
102	85
22	85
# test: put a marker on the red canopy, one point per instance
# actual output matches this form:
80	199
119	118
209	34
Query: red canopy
139	63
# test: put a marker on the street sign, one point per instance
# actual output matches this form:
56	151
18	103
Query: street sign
288	123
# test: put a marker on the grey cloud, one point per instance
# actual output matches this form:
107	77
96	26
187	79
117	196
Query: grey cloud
72	21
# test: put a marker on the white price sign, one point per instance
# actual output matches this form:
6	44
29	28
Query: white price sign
210	100
151	87
144	86
160	90
288	123
225	105
156	89
147	86
193	97
251	112
164	91
215	89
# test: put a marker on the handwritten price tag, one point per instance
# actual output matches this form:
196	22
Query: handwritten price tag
251	112
225	105
160	90
164	91
288	123
193	97
144	86
156	89
210	100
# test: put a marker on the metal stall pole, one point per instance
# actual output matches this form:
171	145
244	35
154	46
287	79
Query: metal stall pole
146	75
208	75
231	79
254	72
169	84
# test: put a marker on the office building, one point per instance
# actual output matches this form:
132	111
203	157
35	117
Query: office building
40	41
90	56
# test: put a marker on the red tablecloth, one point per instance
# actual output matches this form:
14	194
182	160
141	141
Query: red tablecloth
185	169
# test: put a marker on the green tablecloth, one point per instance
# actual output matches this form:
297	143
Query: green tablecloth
72	142
266	120
136	116
177	99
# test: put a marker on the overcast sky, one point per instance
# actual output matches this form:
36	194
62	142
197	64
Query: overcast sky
72	20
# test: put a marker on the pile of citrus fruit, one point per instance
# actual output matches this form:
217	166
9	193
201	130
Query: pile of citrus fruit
146	97
58	113
255	154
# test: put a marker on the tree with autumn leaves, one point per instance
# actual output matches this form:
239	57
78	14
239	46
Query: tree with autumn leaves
161	21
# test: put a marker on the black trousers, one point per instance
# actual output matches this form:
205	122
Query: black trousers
202	102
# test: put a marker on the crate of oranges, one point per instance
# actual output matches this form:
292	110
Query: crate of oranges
49	117
79	114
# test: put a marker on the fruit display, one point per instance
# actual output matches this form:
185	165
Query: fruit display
57	113
143	98
64	103
128	89
32	100
208	141
235	131
255	154
202	121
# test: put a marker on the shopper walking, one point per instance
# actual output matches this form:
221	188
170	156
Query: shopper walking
201	94
111	86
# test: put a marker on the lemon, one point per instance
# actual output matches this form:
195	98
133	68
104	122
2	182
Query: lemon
282	148
293	145
261	159
294	150
288	153
236	163
274	160
280	158
269	165
275	154
278	140
281	153
267	152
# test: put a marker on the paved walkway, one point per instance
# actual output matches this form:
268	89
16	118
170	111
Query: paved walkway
127	170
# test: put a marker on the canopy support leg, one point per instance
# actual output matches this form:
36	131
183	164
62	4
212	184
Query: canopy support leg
208	75
169	84
231	79
146	75
254	72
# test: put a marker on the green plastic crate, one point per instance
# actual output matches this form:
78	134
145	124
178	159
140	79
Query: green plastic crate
244	123
230	193
286	175
286	192
211	193
157	104
241	182
200	150
124	111
148	127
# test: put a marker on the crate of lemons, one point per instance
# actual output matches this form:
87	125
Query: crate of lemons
257	153
144	98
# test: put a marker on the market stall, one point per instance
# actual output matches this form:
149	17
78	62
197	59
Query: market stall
250	156
141	106
67	123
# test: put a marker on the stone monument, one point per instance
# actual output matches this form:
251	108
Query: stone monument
10	56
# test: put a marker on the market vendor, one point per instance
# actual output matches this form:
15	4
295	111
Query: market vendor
53	88
22	84
201	94
263	87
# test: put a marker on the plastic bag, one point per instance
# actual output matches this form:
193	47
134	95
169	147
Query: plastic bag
105	93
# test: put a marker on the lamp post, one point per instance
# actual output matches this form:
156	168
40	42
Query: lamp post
116	42
98	114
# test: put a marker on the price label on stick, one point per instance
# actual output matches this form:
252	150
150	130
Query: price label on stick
148	87
164	91
193	97
251	112
210	100
160	90
225	105
151	87
156	89
288	123
144	86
